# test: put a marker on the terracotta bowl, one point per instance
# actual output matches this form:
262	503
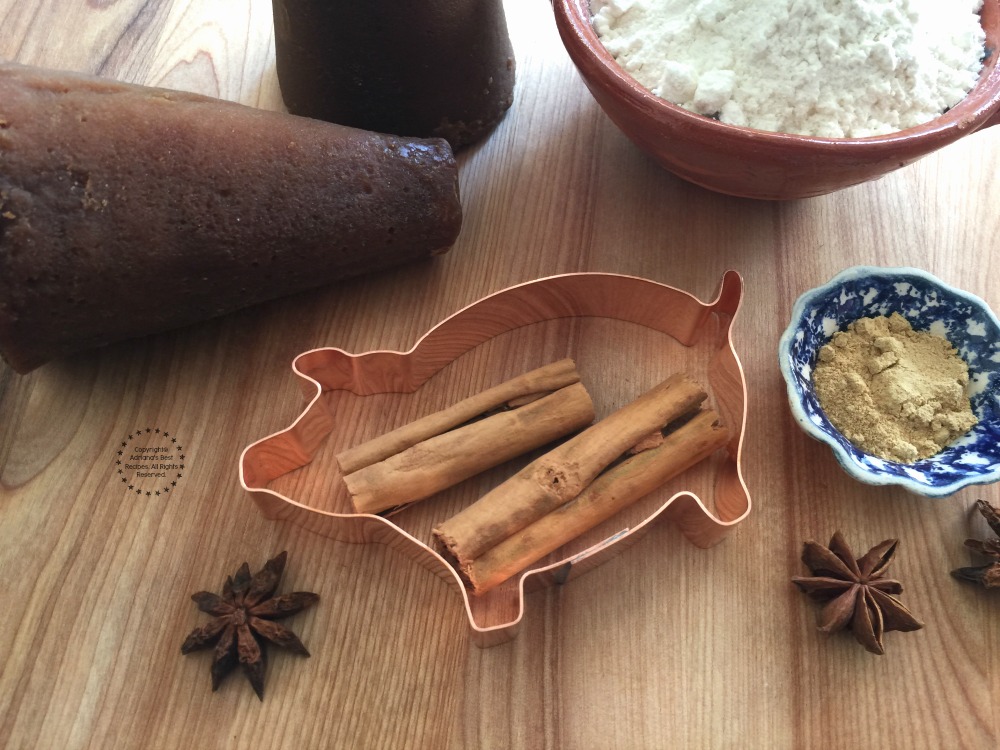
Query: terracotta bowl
760	164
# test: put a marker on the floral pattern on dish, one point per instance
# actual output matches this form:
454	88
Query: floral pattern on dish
930	305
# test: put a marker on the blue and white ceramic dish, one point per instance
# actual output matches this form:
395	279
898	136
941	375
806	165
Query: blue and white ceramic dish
929	304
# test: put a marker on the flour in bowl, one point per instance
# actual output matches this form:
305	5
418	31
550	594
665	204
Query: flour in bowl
831	68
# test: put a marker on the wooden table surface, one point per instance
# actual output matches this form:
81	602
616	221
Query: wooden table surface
666	645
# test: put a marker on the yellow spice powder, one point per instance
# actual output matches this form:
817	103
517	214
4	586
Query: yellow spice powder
894	392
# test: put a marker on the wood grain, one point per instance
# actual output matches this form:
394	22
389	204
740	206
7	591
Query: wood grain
664	646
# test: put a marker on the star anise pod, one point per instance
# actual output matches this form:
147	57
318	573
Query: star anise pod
856	591
987	575
244	621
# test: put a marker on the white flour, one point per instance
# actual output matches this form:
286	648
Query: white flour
832	68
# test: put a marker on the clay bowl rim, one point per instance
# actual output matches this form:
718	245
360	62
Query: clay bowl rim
979	109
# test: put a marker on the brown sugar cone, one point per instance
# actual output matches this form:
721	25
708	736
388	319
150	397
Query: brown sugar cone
429	68
451	457
561	474
127	210
612	491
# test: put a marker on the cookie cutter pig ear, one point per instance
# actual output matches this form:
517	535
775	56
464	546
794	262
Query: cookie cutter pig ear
626	298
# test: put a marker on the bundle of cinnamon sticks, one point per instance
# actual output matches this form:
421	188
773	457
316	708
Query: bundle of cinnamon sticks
555	498
483	431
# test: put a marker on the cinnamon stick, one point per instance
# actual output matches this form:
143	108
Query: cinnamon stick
612	491
561	474
439	451
536	383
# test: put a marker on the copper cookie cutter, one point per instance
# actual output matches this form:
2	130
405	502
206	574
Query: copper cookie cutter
627	298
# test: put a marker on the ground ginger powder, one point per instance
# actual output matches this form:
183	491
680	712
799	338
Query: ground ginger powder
896	393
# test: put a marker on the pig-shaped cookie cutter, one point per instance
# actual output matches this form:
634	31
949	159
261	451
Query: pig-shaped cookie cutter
626	298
